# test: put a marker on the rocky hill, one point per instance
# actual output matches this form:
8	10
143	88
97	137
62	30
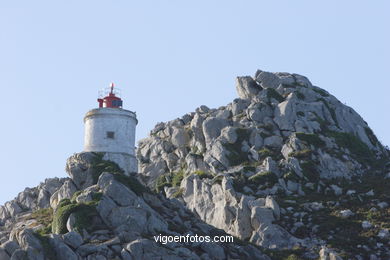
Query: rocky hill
285	165
286	168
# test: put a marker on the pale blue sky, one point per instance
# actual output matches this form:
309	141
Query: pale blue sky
169	57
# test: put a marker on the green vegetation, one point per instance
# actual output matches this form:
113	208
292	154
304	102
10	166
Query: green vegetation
291	176
132	183
44	217
321	92
82	211
359	150
203	174
75	195
99	166
172	179
272	93
48	250
370	134
303	154
286	254
341	234
178	193
239	182
235	155
177	177
309	170
266	152
331	110
310	139
162	181
264	178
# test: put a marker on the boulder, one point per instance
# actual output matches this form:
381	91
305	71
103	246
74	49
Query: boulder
247	87
268	80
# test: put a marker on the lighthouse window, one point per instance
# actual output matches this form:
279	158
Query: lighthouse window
110	135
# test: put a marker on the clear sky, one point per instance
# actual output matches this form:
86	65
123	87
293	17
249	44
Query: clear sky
169	57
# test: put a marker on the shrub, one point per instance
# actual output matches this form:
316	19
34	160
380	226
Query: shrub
83	212
132	183
172	179
163	181
177	178
75	195
311	139
300	113
99	166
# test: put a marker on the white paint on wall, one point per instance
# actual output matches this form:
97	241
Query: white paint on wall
112	130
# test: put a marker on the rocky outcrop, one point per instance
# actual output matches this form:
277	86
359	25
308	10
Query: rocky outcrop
284	166
115	217
281	137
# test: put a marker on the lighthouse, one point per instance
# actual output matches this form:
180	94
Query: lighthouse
111	129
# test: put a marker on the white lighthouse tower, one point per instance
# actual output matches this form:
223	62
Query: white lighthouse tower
111	129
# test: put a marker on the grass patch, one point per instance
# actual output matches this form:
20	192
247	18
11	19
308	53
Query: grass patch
311	139
44	217
266	152
203	174
303	154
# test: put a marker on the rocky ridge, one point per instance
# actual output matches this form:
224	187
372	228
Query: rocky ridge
283	140
100	213
286	168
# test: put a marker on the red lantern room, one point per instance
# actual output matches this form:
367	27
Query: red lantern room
110	98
